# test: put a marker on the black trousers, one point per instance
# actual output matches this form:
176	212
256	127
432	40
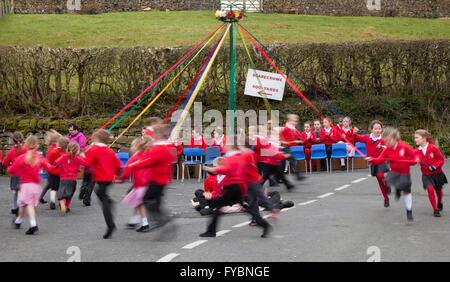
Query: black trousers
255	197
292	163
275	170
107	203
53	181
232	194
87	187
152	202
203	202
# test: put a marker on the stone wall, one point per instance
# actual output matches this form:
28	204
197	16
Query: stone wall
103	6
406	8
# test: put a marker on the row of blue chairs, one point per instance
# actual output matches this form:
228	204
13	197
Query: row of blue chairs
318	152
193	156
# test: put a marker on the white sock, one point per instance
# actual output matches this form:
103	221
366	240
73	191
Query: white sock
342	162
18	220
32	223
408	201
144	221
134	219
15	201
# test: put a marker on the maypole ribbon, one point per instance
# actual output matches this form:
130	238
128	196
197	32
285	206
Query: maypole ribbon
293	73
316	111
199	85
162	91
264	96
153	84
191	83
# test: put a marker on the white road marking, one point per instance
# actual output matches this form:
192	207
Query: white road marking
342	187
222	232
307	203
359	180
195	244
284	210
168	258
241	224
325	195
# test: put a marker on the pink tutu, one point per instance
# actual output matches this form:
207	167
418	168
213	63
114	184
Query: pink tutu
135	197
30	194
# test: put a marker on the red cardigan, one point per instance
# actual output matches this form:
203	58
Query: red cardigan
159	158
432	157
26	172
329	139
104	162
12	155
53	153
69	171
221	144
251	173
202	144
141	176
308	142
288	134
400	158
373	148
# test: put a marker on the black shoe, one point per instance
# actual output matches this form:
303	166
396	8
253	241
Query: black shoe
52	206
398	194
81	196
32	230
67	210
109	232
208	234
253	223
343	167
437	213
440	206
42	201
131	225
144	228
15	225
266	231
15	211
386	203
198	208
409	215
290	187
87	204
300	177
206	211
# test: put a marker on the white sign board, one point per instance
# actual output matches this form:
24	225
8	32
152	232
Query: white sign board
273	84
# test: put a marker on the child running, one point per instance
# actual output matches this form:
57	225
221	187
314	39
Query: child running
140	177
10	158
401	156
106	166
69	164
374	146
27	167
431	162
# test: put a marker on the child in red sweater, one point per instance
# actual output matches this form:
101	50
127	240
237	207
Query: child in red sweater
308	139
431	162
140	178
158	160
197	141
106	166
401	156
345	135
27	167
219	140
234	168
69	165
328	136
374	146
289	137
10	158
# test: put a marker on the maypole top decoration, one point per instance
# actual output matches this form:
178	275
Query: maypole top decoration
230	15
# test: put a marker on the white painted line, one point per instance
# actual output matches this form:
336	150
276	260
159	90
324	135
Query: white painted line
195	244
307	203
359	180
168	258
241	224
285	210
342	187
325	195
266	216
222	232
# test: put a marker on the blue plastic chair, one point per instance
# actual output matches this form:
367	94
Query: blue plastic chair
318	152
362	148
299	155
211	153
193	157
339	151
123	157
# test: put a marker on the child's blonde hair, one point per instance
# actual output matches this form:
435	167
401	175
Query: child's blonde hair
31	143
72	149
425	134
51	137
217	161
62	143
103	135
391	132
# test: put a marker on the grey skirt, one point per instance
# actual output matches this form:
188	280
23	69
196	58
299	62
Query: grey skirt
399	181
66	189
15	183
437	180
375	169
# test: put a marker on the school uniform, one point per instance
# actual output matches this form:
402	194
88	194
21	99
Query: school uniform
208	187
87	184
198	143
140	178
234	168
149	131
289	134
106	166
53	178
219	143
158	160
270	164
348	139
30	182
400	159
431	156
308	139
68	175
328	137
10	158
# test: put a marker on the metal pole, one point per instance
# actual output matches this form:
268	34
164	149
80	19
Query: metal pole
232	98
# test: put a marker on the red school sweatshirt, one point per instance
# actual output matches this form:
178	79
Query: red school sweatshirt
12	155
69	171
26	172
400	158
104	162
140	176
432	157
